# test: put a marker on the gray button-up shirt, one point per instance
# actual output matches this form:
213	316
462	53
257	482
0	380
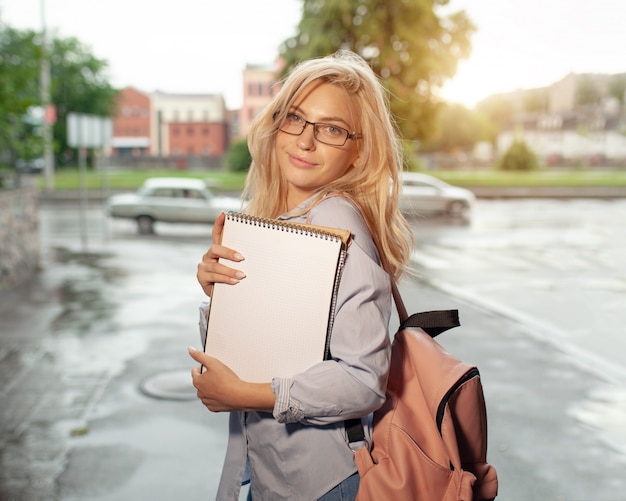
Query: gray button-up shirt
300	451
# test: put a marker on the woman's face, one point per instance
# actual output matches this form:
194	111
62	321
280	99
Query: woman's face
307	163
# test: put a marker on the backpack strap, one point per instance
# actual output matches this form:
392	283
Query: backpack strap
354	430
433	322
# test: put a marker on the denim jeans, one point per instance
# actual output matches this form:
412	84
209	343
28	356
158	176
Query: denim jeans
345	491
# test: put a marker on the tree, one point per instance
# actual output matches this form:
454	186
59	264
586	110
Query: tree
499	109
519	157
457	127
536	101
78	84
238	158
587	91
20	57
411	47
617	87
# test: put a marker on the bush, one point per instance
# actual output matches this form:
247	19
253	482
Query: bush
519	157
238	158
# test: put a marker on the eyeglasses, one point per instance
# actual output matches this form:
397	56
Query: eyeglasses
325	133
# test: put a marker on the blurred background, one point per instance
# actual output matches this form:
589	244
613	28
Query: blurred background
513	119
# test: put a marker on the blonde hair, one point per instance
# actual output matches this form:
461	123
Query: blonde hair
373	180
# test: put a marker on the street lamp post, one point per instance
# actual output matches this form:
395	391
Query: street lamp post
45	102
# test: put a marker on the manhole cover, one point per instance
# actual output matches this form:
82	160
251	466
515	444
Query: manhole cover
170	385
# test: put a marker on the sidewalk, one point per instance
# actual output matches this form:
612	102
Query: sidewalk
85	348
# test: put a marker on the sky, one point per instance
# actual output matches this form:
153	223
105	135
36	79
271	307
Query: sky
203	46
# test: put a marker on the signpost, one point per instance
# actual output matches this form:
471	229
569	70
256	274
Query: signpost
86	131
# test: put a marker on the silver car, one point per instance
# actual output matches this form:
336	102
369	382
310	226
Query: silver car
171	200
422	194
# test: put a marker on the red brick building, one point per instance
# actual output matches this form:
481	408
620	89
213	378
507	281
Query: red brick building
201	139
131	124
189	125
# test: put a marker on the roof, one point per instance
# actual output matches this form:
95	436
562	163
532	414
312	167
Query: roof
175	182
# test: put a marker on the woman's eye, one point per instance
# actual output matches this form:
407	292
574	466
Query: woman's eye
332	130
292	117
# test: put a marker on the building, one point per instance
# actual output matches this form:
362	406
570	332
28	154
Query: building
188	125
169	129
179	130
580	137
582	124
131	125
260	85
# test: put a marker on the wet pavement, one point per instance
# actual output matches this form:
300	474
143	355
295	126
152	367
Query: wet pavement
89	345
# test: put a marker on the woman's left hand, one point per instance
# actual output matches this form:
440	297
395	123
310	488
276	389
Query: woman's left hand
216	384
221	390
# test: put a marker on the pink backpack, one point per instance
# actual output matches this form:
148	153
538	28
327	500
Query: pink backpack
429	440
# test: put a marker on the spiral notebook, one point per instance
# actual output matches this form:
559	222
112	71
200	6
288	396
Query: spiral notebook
277	321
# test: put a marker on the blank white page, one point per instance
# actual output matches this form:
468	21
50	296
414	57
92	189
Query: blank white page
274	322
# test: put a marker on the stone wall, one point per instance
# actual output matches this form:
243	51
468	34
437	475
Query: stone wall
19	236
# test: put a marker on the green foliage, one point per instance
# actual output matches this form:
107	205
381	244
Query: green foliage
519	157
20	57
498	109
587	92
408	44
458	128
617	87
78	84
238	157
536	100
409	155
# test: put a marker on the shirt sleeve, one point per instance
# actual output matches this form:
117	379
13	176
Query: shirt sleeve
352	383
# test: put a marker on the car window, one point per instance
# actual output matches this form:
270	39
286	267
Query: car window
193	194
187	193
162	192
416	183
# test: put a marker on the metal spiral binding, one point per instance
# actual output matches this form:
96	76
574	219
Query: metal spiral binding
275	224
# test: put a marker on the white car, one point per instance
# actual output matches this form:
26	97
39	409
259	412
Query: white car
422	194
171	200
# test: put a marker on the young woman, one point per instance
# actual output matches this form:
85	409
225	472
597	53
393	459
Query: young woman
324	151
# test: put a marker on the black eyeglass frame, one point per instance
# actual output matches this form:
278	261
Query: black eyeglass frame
349	135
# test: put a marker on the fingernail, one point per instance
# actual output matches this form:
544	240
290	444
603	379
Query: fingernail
191	349
240	275
238	256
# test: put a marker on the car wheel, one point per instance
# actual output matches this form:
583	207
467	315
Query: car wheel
457	208
145	225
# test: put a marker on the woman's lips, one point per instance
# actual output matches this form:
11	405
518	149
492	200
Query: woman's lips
301	162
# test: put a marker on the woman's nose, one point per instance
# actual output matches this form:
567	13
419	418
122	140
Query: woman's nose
306	140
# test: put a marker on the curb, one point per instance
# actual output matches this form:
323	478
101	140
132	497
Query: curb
484	192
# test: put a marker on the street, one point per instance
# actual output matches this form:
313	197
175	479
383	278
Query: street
95	397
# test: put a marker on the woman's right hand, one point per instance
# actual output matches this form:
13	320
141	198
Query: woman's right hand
210	270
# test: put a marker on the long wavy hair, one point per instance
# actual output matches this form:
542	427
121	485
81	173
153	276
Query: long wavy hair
373	181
